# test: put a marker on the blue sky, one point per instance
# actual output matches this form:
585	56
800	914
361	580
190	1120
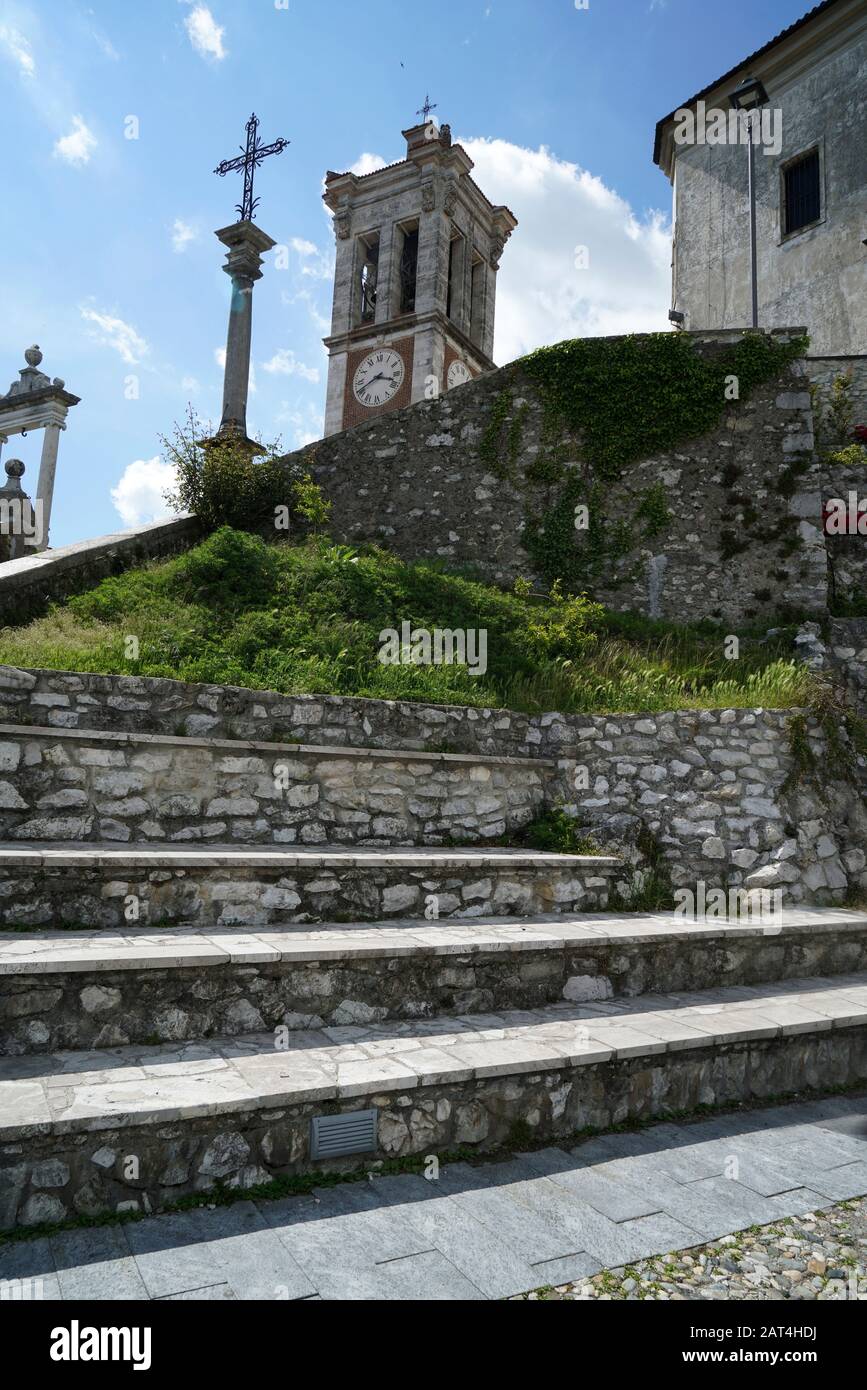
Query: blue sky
109	259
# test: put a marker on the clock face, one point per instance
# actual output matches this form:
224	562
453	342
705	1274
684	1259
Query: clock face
458	374
378	377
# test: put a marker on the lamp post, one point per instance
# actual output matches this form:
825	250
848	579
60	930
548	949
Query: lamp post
748	96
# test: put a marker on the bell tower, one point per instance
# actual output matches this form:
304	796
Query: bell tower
418	248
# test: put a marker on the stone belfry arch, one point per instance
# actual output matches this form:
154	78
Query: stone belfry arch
415	281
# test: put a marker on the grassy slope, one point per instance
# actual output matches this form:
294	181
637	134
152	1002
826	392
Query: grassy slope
306	619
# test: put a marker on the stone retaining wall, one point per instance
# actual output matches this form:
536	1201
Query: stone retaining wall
146	704
81	1171
211	893
84	785
29	585
712	786
823	371
719	792
59	1010
459	478
847	554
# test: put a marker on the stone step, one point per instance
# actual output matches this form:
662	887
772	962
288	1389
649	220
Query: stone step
83	785
91	989
227	885
82	1133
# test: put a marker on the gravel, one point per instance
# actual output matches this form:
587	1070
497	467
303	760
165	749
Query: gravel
822	1255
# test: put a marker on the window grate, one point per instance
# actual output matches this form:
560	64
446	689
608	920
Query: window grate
802	202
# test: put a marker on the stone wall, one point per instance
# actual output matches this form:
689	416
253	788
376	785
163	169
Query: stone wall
735	547
847	554
716	789
29	585
146	704
841	654
77	1167
84	785
232	985
823	371
722	796
87	886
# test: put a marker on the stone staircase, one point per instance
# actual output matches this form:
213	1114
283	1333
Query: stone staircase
224	949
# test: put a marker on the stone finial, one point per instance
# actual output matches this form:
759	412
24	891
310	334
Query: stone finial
33	355
14	474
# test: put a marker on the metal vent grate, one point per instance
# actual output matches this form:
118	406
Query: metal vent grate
333	1135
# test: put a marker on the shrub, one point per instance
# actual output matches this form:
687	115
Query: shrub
853	456
222	484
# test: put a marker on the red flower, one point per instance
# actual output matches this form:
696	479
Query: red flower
860	432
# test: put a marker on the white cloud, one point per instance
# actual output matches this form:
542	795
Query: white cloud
18	48
205	34
285	363
114	333
542	295
77	146
106	47
191	384
182	234
316	264
320	320
367	164
306	425
140	495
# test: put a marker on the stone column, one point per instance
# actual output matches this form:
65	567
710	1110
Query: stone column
246	245
45	485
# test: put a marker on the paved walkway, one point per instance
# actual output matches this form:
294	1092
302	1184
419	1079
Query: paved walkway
476	1232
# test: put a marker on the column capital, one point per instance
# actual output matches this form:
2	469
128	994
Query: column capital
246	244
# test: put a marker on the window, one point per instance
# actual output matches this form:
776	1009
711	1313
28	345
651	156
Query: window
408	270
455	296
801	193
477	303
368	275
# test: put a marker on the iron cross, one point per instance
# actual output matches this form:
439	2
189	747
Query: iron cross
249	160
427	108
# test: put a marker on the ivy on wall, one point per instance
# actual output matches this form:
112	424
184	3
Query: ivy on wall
624	399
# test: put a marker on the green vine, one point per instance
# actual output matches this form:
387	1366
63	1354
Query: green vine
633	397
498	454
624	399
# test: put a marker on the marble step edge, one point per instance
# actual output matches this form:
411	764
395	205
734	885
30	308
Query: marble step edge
170	1083
56	952
123	737
87	854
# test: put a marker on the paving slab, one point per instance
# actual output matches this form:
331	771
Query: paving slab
492	1265
27	1271
97	1263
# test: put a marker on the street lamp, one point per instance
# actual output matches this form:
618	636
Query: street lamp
748	97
